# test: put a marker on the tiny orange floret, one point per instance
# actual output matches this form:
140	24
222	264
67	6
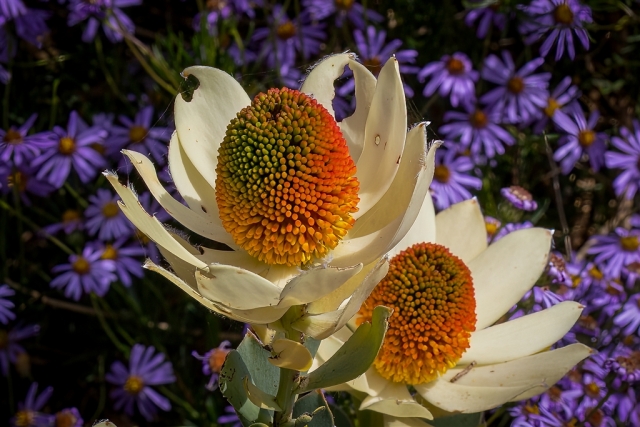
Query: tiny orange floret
286	185
433	301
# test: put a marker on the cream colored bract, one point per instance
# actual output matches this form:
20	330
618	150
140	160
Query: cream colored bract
394	169
505	362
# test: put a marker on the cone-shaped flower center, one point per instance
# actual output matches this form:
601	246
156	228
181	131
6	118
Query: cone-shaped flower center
285	181
109	253
432	297
81	266
586	138
515	85
217	358
70	215
110	209
137	133
629	243
478	119
67	146
344	4
134	384
13	137
563	14
18	180
552	106
442	174
455	66
286	30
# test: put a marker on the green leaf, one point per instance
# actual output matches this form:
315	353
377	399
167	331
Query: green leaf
354	357
312	345
231	385
459	420
312	404
264	375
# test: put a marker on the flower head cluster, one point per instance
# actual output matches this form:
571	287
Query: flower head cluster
115	23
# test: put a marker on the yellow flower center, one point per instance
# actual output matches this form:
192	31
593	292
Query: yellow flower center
65	419
286	30
586	138
552	106
631	363
373	64
515	85
596	273
217	358
133	385
563	14
491	227
81	265
455	66
18	180
285	181
25	418
531	409
137	133
432	297
344	4
478	119
576	280
109	253
101	149
13	137
592	389
110	209
442	174
629	243
70	215
214	5
142	237
67	145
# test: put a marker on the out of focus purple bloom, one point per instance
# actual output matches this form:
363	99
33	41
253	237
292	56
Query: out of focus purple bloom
616	250
451	179
543	298
104	217
521	94
28	414
5	305
71	221
477	130
485	16
557	270
350	9
10	9
17	147
139	135
127	258
10	350
106	12
146	368
510	228
580	138
7	51
85	273
492	225
452	76
285	37
559	18
212	362
231	417
629	161
562	95
24	180
71	147
31	26
519	198
217	10
629	317
68	417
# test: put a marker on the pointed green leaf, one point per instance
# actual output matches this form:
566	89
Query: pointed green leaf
354	357
264	375
231	385
459	420
312	404
312	345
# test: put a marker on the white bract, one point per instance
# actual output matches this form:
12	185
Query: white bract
394	170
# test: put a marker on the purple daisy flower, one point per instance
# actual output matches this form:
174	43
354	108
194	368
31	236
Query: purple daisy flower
629	161
454	76
85	273
31	26
230	417
349	9
126	257
16	145
451	179
28	414
106	12
217	10
557	270
510	228
288	37
519	198
139	135
10	349
616	250
7	51
5	305
561	18
564	94
580	139
104	217
12	8
485	16
629	317
477	130
146	368
24	180
71	147
521	94
68	417
212	362
71	221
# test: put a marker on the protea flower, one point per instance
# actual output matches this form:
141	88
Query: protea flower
308	207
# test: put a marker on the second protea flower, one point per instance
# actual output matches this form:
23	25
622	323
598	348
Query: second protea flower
307	206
